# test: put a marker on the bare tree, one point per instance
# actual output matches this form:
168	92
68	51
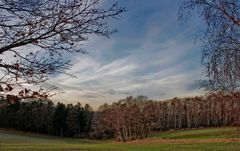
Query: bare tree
221	42
134	118
36	35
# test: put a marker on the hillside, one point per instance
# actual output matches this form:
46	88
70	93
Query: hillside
181	140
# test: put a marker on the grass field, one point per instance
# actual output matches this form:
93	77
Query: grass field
212	139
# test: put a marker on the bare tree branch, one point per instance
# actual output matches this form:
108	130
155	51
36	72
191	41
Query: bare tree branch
39	33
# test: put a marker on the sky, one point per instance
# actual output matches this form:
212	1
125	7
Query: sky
152	54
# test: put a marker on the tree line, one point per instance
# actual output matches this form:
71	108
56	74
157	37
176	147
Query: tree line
43	116
128	119
134	118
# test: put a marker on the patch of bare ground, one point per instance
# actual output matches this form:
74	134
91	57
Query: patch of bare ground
181	141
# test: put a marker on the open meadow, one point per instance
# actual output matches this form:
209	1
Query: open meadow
212	139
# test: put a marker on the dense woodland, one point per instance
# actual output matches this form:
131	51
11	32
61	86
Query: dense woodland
43	116
134	118
128	119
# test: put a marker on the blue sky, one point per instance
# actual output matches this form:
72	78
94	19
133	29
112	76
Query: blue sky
152	54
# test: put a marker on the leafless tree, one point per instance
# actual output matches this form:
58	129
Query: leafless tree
221	42
131	118
36	36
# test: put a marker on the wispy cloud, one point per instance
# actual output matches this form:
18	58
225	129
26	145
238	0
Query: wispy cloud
158	59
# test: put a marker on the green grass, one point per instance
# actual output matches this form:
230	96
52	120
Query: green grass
18	141
204	133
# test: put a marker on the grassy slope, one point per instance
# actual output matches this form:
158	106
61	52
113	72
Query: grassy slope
15	141
204	133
